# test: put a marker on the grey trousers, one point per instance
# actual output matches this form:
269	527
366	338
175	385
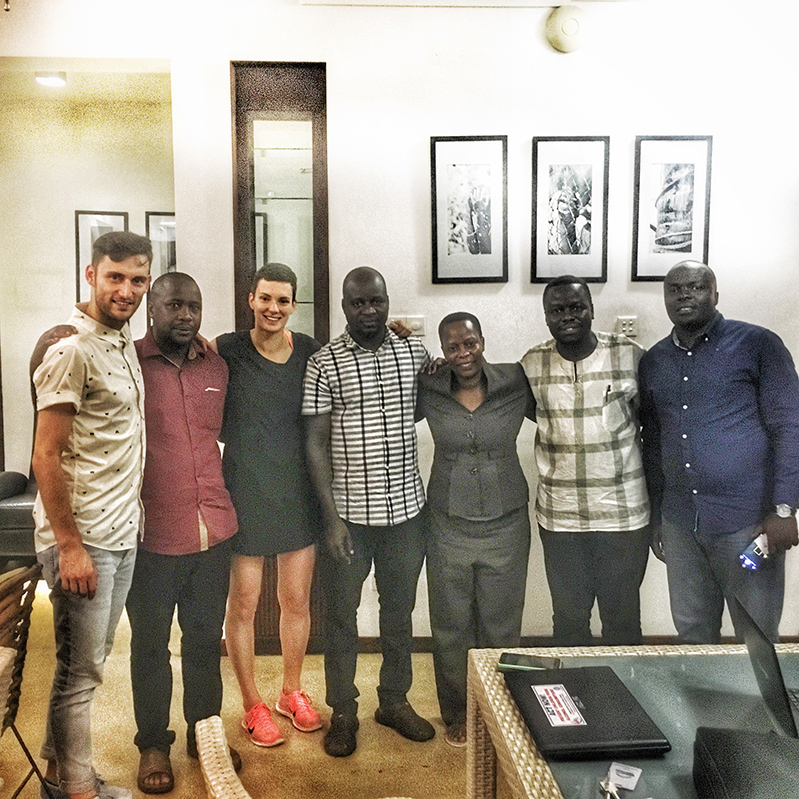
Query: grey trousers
476	577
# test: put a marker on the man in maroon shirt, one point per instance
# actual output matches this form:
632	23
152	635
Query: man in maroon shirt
184	559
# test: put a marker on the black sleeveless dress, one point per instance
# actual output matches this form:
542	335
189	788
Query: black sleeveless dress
264	457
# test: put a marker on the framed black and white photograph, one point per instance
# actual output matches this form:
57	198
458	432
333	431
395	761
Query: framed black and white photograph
671	203
469	188
89	226
570	208
159	227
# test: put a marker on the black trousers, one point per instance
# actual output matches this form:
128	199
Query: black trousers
604	566
198	585
398	554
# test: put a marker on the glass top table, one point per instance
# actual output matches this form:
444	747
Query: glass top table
681	687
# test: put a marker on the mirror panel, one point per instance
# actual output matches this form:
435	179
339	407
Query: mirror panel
283	205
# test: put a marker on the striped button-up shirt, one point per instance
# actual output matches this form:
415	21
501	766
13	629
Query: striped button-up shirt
590	471
370	397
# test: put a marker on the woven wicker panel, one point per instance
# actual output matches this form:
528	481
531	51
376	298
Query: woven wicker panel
17	592
221	780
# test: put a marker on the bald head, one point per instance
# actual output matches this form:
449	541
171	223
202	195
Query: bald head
693	268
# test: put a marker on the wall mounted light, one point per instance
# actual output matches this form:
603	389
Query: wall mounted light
565	28
51	78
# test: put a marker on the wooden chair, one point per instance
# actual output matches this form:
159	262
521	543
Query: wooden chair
17	590
221	780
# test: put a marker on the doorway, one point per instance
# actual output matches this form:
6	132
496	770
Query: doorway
280	214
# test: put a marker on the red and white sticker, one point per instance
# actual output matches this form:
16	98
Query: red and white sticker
558	706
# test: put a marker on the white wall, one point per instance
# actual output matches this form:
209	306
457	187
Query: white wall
85	149
397	76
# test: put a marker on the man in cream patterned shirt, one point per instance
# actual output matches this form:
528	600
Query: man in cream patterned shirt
591	505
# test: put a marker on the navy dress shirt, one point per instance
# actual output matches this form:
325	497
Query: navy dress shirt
720	427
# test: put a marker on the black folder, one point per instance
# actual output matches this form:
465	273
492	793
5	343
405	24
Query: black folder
584	713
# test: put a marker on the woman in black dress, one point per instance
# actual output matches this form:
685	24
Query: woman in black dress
264	467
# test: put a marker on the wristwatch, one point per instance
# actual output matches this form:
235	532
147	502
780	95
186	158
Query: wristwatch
784	511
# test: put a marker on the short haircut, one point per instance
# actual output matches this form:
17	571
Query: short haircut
691	264
567	280
362	275
160	285
459	316
278	273
120	245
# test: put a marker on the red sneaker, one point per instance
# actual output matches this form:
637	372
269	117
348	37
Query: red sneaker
258	723
297	706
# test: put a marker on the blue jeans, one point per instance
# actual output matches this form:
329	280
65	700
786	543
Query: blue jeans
84	634
703	568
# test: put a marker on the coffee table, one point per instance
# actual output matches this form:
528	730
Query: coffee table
498	736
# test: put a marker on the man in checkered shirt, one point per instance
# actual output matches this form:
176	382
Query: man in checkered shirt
591	506
359	402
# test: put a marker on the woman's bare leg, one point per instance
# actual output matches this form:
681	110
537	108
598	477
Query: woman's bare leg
246	575
294	577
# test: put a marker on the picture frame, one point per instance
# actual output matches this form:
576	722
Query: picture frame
89	226
469	192
570	208
159	227
671	203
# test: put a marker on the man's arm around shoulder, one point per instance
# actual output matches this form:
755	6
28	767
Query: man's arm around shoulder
53	433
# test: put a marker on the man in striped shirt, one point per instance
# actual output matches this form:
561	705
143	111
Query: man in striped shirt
360	395
591	506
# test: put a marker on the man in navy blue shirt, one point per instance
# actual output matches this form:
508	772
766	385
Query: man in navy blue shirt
720	417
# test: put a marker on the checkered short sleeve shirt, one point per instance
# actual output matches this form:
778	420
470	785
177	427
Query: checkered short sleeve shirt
370	397
588	452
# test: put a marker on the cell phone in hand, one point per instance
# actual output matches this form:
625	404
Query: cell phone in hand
512	661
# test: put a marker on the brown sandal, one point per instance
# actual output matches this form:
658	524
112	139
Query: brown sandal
152	763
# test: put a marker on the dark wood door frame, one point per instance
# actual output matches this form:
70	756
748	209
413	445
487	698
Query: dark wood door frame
279	90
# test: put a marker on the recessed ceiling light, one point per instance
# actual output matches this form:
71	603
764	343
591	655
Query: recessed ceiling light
51	78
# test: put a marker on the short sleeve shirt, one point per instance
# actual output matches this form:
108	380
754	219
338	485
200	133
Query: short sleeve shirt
587	448
97	372
188	508
371	397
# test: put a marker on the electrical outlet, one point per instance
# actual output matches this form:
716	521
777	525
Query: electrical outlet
627	325
416	324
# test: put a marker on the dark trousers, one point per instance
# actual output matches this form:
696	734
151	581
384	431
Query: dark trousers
398	553
604	566
476	579
198	584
